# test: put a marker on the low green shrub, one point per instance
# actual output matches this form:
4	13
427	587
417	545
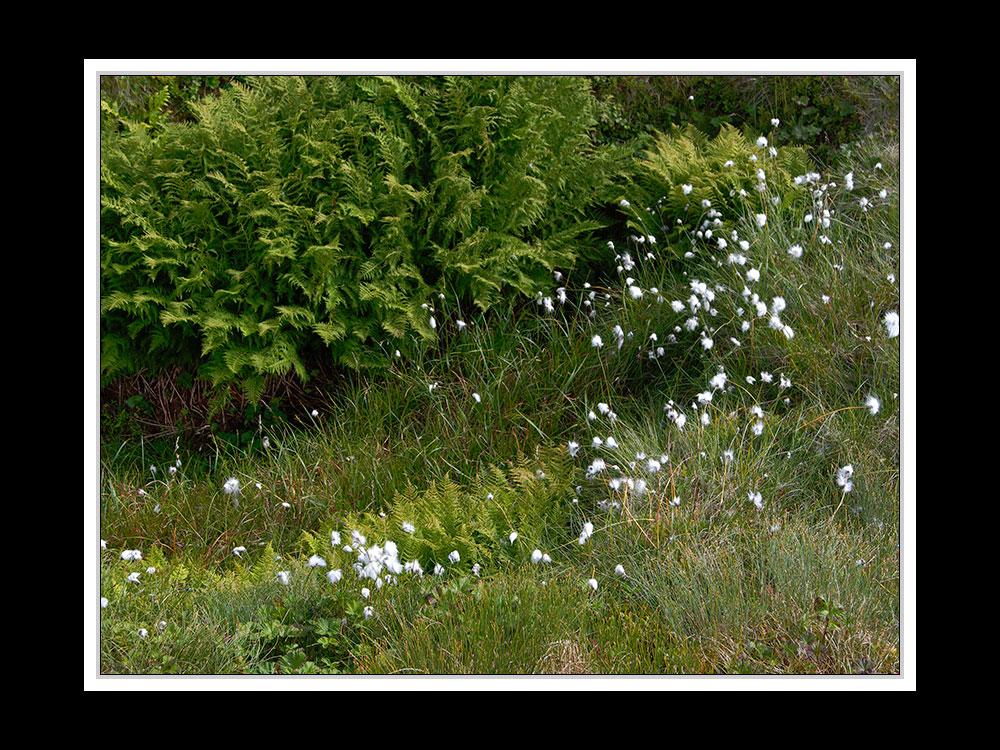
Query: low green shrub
820	112
533	498
686	179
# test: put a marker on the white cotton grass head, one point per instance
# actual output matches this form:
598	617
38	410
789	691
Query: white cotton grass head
232	487
844	475
873	404
891	321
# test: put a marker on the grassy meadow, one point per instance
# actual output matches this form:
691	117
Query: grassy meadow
682	458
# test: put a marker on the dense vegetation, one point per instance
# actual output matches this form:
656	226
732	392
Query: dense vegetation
592	391
299	215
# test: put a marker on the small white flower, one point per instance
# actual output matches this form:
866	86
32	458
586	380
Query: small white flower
761	219
513	537
596	341
454	557
592	583
142	633
232	487
408	527
757	500
687	189
316	562
795	251
414	567
477	397
536	556
573	447
369	612
438	569
892	323
334	575
460	324
283	576
762	142
873	404
133	577
104	603
334	539
619	571
366	593
844	475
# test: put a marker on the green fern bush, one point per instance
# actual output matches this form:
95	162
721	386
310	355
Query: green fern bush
534	497
685	178
303	217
